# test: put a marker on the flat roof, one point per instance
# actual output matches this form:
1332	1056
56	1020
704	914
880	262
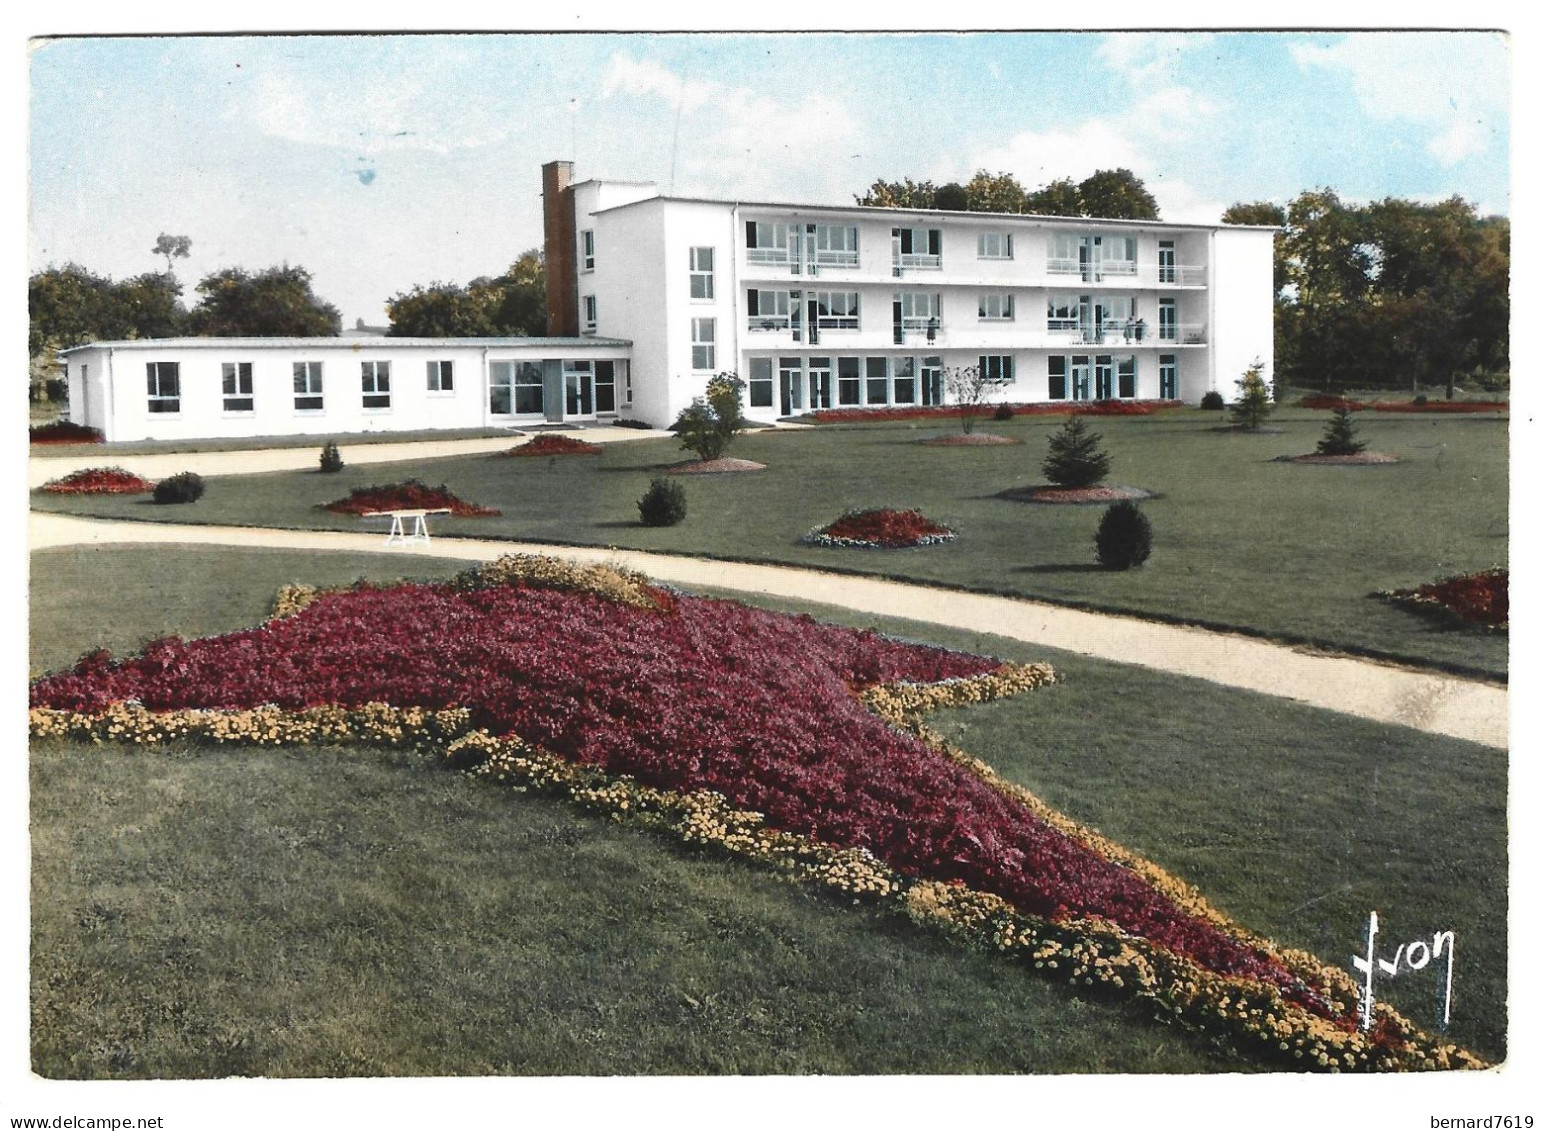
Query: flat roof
935	213
355	345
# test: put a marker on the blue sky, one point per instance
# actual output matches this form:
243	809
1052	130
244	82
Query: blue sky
378	162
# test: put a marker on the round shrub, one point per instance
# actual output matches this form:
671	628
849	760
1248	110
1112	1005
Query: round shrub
663	504
184	487
1213	401
1422	400
1003	412
331	458
1124	536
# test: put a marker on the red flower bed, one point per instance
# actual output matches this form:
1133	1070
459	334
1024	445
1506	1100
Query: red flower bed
99	481
411	495
883	528
1329	401
947	412
1480	598
1441	406
551	444
759	707
64	432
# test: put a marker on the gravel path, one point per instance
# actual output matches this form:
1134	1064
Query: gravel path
40	469
1440	704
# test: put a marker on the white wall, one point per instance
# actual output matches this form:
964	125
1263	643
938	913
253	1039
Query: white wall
1242	316
201	413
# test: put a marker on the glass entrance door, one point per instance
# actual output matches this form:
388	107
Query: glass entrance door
819	383
932	380
578	388
791	378
1103	377
1082	378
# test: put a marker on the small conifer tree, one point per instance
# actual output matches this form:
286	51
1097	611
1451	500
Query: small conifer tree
1339	438
1124	538
1253	404
1076	458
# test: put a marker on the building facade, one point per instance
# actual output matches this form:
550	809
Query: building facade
831	307
814	307
193	388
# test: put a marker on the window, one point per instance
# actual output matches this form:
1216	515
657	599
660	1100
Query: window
849	382
441	377
587	242
605	386
918	247
837	310
905	380
921	311
1119	255
702	273
1168	376
1065	312
1058	378
375	376
760	382
878	380
996	308
514	386
529	392
165	385
996	367
766	242
770	310
1126	371
308	386
590	319
704	354
835	246
994	245
236	384
628	386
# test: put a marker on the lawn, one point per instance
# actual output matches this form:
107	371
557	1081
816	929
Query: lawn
1241	542
170	884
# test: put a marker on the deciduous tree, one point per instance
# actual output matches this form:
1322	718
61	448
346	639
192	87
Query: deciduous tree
275	303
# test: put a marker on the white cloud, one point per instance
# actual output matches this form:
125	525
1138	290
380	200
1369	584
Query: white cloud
1452	83
1148	58
735	140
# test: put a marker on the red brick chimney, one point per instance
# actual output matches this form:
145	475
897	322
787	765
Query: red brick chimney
562	283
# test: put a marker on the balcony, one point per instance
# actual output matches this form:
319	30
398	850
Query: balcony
917	261
1137	333
1123	273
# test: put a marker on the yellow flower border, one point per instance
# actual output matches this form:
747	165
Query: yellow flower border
1085	952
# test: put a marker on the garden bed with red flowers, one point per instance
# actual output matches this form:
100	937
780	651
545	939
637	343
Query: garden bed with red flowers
1474	598
794	743
408	495
881	529
1327	401
935	412
64	432
99	481
553	444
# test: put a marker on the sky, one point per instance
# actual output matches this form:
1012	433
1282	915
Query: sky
379	162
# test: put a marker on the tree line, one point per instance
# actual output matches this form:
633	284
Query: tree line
1116	194
1391	294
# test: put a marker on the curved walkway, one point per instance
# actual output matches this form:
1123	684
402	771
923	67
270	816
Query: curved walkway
247	461
1427	701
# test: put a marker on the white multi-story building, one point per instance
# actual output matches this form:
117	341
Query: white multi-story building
830	307
814	307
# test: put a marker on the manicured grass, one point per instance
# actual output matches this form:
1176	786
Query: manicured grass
1240	541
415	913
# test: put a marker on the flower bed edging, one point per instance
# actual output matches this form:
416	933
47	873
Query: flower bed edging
99	481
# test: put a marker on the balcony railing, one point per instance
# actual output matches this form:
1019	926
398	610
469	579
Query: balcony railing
1121	271
919	260
1128	333
829	258
768	256
770	322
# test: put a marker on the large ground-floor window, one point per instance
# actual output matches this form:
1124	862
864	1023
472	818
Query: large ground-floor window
809	383
515	387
